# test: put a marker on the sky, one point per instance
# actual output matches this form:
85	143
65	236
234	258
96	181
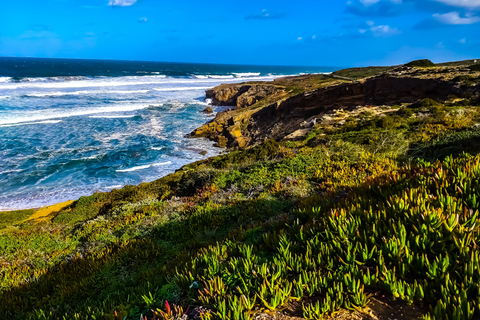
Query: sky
272	32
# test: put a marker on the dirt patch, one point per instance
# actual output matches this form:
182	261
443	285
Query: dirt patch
43	214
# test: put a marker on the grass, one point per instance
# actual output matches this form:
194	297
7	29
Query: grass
367	202
10	218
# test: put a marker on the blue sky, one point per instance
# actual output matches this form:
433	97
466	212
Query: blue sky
280	32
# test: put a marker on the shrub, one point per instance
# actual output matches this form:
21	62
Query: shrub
422	63
475	67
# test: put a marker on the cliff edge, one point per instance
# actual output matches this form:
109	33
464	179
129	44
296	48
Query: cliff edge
288	106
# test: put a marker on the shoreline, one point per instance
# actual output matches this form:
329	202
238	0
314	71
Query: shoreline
232	128
200	151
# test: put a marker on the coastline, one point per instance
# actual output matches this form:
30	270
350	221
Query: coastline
246	106
260	206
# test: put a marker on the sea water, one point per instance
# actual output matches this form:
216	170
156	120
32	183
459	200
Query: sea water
69	128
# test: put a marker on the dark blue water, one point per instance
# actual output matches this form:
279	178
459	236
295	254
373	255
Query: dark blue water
72	127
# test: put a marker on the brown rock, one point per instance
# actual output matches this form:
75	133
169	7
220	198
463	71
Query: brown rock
207	110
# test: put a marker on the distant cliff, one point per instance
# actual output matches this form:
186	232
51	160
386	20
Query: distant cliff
274	110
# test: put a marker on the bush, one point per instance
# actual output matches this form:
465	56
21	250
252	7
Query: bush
422	63
475	67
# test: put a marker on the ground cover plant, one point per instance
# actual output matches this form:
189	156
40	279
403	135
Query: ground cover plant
378	199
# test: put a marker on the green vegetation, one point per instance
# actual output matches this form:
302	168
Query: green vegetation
11	217
422	63
376	201
475	67
363	72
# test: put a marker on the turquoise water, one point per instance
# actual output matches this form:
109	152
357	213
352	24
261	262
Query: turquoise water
69	128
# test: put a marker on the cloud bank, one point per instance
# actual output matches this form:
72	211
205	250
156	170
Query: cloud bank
121	3
454	18
471	4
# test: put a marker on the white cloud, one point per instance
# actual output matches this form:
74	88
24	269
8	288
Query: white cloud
384	30
463	41
367	3
299	38
454	18
121	3
461	3
378	31
142	20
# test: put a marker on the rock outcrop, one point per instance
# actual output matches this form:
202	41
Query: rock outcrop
239	95
269	111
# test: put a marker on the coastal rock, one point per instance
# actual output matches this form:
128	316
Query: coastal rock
207	110
239	95
268	111
226	95
254	94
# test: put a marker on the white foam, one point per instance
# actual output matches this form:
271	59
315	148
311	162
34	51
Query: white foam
91	157
112	117
156	148
83	92
125	81
113	187
246	74
25	123
11	171
44	178
41	116
181	89
144	167
220	77
5	79
54	79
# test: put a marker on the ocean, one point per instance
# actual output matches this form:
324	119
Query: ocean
69	128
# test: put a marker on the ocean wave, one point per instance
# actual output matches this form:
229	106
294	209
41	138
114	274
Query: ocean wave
11	171
117	186
91	157
14	124
82	92
181	89
214	76
113	116
52	79
144	167
87	111
246	74
125	81
5	79
156	148
43	179
85	83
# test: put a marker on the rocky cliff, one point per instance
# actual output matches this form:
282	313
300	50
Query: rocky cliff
274	110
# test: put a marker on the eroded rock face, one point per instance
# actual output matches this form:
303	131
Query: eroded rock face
239	95
279	120
254	94
226	95
243	126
